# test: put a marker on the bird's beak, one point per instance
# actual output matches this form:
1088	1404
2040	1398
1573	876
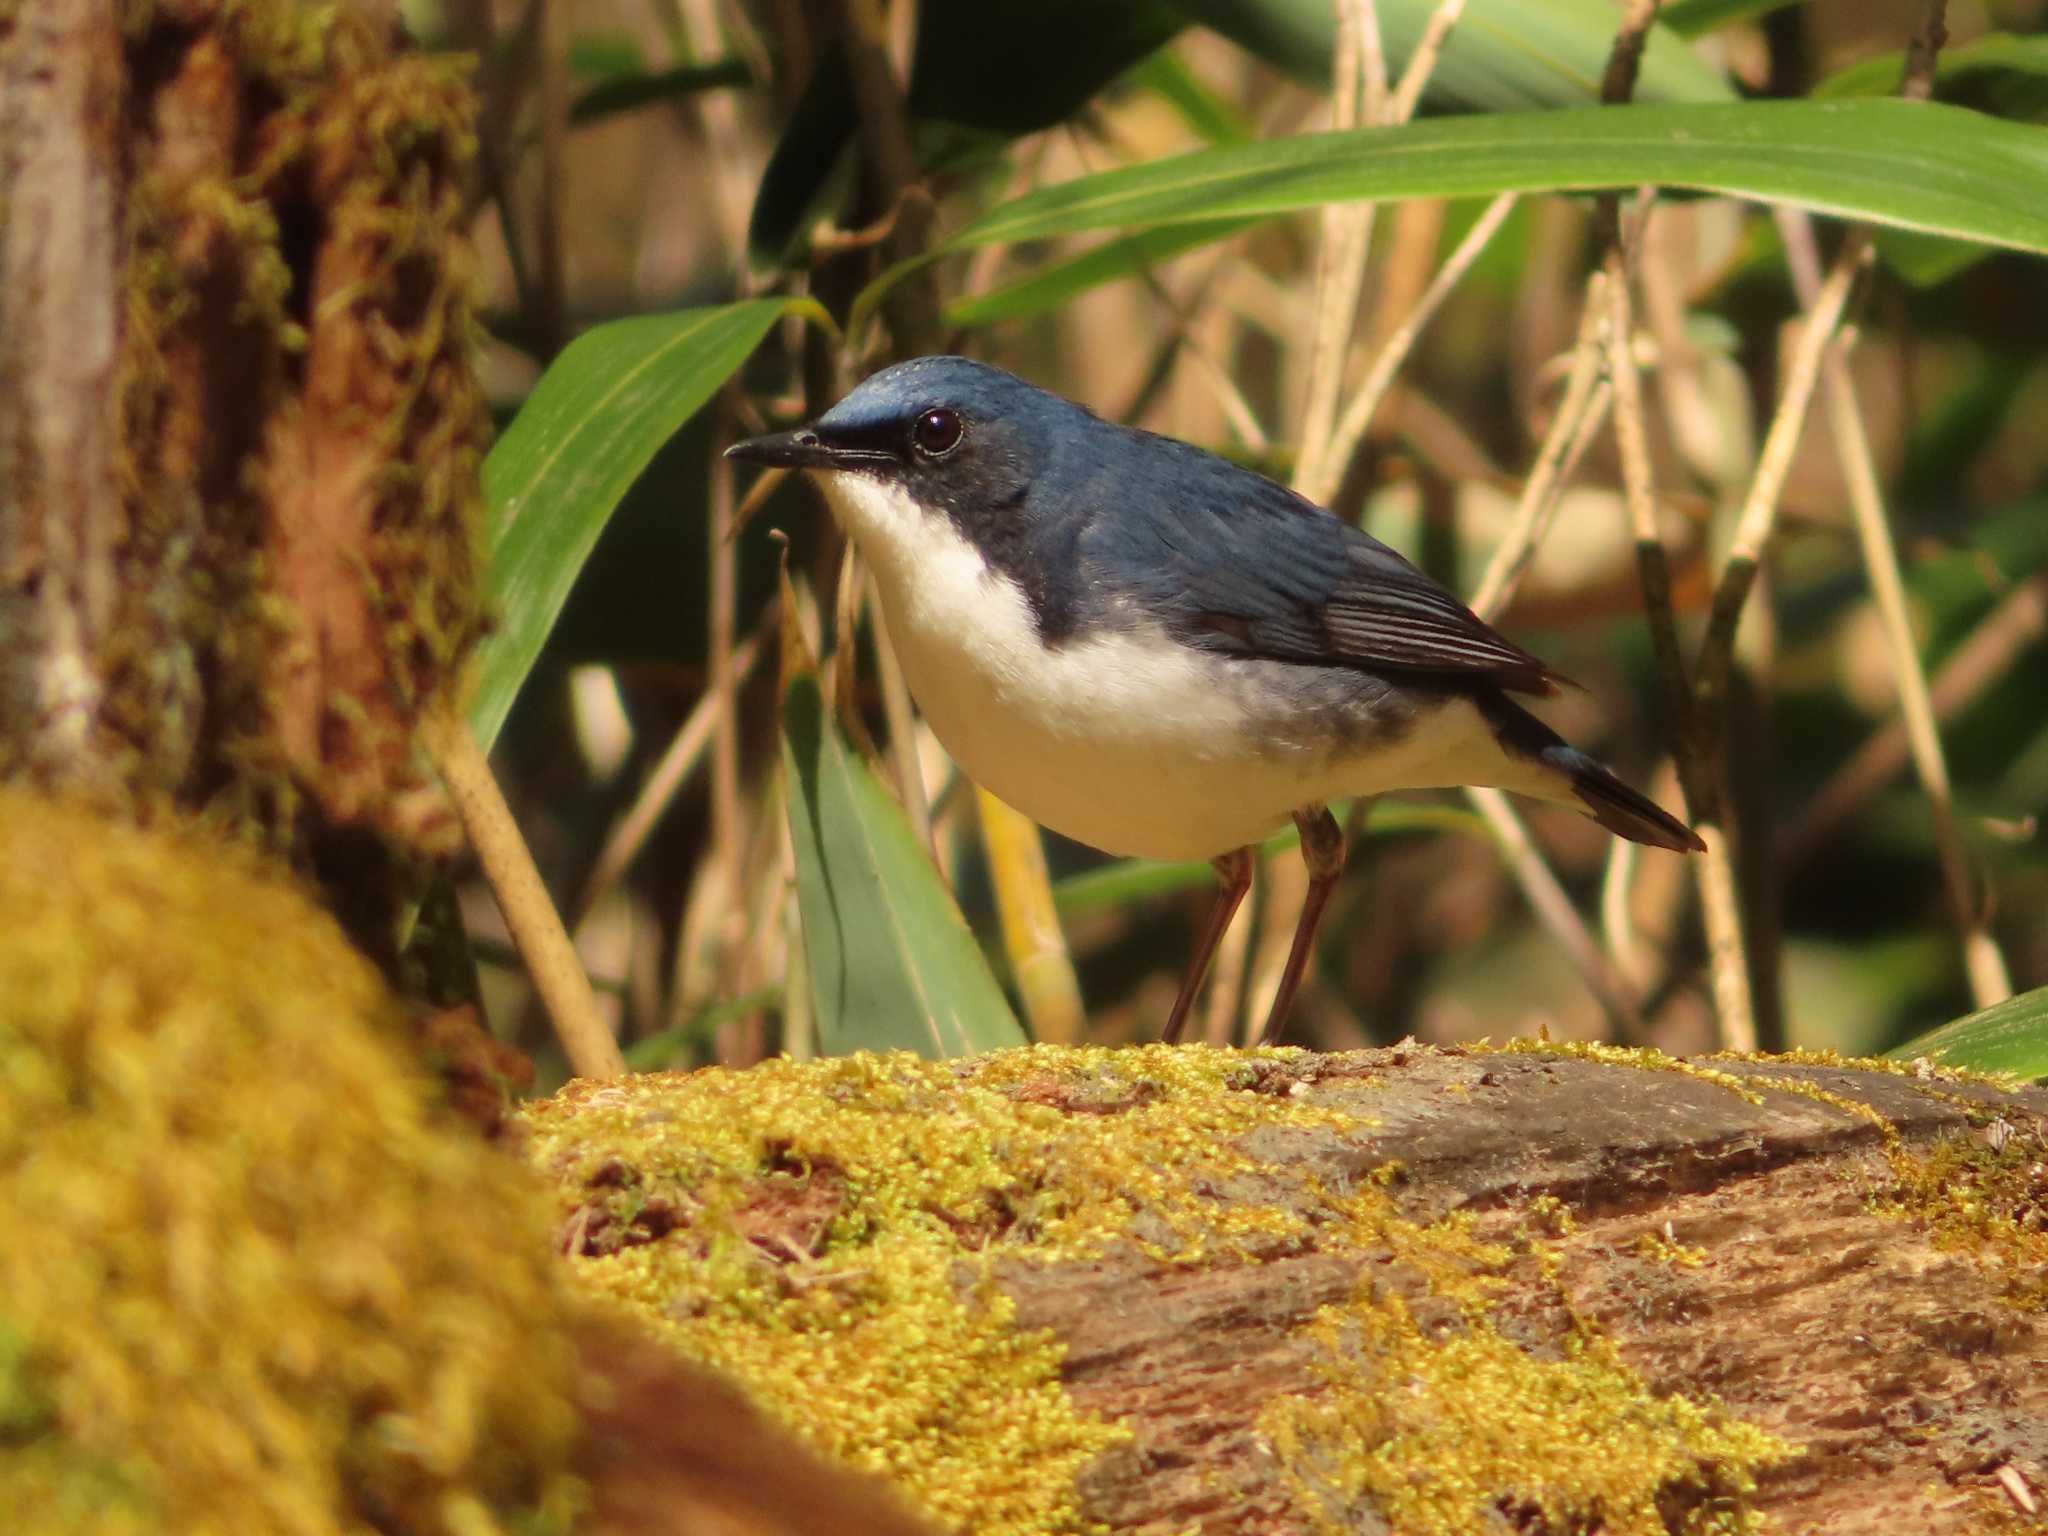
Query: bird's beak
801	449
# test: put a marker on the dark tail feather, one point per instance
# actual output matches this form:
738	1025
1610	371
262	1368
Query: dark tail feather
1606	799
1620	809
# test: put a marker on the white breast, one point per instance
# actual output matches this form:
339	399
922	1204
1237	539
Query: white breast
1128	741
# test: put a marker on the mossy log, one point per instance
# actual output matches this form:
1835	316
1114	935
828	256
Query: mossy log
1416	1290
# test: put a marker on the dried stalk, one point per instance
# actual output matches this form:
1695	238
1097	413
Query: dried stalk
1554	907
629	835
1346	243
1989	980
1549	475
1394	352
530	917
1037	949
912	305
1422	63
1698	763
61	296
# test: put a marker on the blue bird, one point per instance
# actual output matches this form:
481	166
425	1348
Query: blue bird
1154	651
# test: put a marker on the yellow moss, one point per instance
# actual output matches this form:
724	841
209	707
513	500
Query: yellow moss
250	1279
829	1232
1443	1432
1855	1108
1920	1068
875	1328
1984	1197
1660	1249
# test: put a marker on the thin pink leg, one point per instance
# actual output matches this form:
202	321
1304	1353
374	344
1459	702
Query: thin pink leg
1235	870
1322	848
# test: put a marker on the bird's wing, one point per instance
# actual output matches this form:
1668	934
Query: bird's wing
1245	567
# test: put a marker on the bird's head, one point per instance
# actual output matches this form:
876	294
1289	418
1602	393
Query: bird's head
941	434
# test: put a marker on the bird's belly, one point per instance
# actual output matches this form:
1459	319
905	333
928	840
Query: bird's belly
1127	776
1139	746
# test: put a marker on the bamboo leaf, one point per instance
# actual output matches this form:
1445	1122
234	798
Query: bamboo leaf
2012	70
1696	18
613	397
1056	282
629	90
1502	56
1914	165
2009	1037
1906	165
892	963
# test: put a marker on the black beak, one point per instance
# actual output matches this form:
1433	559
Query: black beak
801	449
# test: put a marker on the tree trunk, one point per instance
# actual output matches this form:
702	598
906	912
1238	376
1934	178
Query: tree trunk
1528	1290
239	429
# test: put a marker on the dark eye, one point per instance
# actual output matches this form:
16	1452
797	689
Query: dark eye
936	432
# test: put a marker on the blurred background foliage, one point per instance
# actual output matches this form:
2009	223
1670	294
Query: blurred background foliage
650	156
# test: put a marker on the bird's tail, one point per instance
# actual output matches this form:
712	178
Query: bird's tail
1588	785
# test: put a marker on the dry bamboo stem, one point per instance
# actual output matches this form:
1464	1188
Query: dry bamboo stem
629	834
535	925
1394	352
1989	980
1037	950
1548	476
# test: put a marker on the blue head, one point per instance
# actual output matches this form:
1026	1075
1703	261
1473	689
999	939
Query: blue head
955	435
1091	521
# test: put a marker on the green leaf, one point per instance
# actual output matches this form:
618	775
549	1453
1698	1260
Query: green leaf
613	397
1696	18
2010	1037
1007	66
1915	165
1056	282
893	965
629	90
1502	56
2009	73
1207	114
1128	880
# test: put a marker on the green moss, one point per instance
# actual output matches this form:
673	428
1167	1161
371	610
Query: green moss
829	1233
250	1278
1984	1196
1442	1432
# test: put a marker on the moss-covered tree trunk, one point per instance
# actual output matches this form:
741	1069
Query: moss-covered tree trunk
1433	1292
239	428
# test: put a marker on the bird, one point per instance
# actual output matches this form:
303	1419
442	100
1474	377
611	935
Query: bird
1162	654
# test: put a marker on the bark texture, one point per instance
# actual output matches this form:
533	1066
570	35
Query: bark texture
1727	1247
239	433
1434	1292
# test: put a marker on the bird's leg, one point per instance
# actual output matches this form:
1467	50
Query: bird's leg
1235	870
1322	849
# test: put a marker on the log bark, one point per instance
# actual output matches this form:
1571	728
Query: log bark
1899	1365
1846	1259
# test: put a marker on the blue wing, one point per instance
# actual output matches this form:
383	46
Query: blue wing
1242	566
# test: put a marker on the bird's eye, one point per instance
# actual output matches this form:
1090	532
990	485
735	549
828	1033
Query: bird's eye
936	432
